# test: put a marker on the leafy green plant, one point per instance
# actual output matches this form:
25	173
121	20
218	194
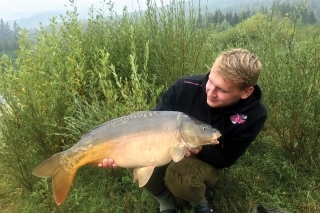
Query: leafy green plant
31	94
177	46
291	93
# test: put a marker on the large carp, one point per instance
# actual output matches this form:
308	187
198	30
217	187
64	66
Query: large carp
142	140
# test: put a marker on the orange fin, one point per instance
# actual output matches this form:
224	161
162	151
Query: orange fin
61	179
49	167
61	184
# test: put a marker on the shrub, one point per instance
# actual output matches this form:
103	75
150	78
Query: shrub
291	89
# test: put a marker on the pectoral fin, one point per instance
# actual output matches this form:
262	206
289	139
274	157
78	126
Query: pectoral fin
142	174
177	152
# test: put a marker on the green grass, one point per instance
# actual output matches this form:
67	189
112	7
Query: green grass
262	176
10	192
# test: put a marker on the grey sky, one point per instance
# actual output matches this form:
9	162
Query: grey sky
15	9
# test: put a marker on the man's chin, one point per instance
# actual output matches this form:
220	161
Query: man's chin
213	104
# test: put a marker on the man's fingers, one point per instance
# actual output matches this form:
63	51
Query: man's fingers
196	150
187	154
107	163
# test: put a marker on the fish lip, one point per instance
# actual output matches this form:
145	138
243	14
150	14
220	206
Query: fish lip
216	137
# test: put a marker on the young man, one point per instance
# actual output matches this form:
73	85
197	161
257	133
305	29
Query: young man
229	99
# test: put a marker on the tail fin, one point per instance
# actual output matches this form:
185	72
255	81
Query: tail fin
61	179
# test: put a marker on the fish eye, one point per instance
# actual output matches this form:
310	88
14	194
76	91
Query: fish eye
204	127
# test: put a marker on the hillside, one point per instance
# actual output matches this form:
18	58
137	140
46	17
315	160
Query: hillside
225	6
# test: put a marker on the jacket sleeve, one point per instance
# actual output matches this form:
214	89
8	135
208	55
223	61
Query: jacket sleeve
226	154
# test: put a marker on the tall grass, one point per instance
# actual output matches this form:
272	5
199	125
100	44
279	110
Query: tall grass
77	75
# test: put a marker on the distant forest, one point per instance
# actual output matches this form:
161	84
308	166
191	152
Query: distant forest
9	35
228	18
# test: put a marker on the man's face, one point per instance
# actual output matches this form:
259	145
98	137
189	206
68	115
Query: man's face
223	93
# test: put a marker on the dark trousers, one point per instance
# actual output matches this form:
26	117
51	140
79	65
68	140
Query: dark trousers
187	179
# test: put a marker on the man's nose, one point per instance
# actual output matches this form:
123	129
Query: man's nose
212	91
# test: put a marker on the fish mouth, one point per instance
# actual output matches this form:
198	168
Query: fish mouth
214	142
217	135
215	138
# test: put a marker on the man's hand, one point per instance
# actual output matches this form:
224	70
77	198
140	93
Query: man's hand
192	151
107	164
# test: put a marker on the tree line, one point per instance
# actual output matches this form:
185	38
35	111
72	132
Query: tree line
282	9
8	36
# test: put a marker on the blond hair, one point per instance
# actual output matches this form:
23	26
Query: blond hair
239	66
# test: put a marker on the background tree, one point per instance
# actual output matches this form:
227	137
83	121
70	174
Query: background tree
312	18
2	35
235	19
15	36
8	38
229	17
218	17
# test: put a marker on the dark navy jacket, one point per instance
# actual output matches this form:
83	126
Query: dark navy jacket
239	124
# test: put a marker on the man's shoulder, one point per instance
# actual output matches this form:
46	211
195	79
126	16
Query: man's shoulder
262	108
195	80
198	77
257	111
257	104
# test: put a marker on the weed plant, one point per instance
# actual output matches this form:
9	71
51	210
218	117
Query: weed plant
76	75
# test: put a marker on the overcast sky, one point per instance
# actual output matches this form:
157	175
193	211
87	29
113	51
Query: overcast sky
15	9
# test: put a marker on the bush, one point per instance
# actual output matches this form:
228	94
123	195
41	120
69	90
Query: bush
53	81
291	93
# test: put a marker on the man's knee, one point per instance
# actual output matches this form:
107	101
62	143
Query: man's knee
189	178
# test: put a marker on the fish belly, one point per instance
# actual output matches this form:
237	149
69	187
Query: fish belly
149	149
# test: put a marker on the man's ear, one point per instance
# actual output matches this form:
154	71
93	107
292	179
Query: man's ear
247	92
